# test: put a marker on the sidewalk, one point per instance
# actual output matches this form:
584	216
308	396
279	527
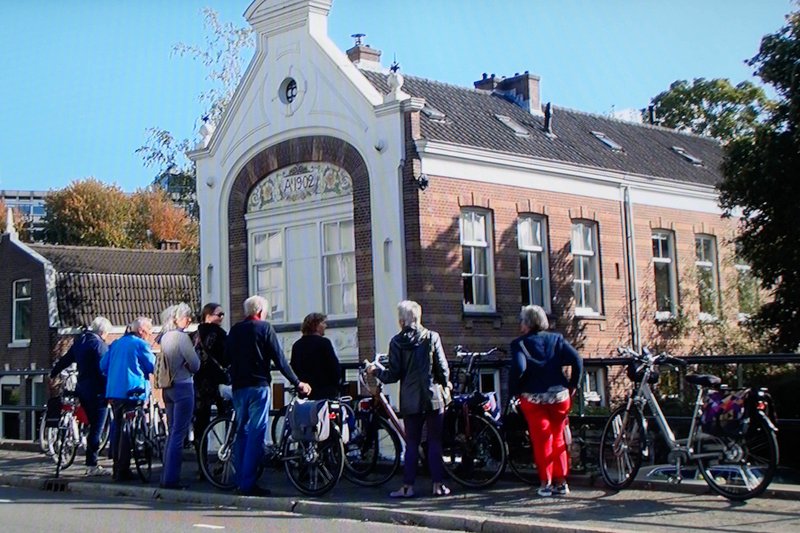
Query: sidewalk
508	507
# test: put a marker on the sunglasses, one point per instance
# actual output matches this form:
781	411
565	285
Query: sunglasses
218	314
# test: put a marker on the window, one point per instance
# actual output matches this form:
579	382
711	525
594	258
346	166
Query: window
594	387
477	270
707	280
605	139
518	129
747	287
696	161
339	258
586	281
268	271
533	261
21	311
664	270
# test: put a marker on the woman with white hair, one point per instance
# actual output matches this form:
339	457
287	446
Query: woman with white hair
183	361
537	376
417	360
86	352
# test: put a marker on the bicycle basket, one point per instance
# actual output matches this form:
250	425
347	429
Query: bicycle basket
724	412
636	373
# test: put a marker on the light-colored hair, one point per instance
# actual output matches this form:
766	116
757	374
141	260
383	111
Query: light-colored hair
534	317
173	313
100	325
139	323
254	304
409	313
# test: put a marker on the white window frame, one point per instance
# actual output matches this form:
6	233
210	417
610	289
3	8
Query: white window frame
671	261
711	264
326	283
272	262
532	251
579	284
594	386
477	246
744	269
495	376
15	340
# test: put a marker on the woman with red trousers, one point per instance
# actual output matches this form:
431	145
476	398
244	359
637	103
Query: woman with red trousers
537	377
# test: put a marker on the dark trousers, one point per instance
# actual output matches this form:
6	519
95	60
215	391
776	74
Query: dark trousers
413	426
203	401
120	443
179	400
96	413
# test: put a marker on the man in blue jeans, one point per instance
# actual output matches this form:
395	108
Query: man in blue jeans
86	352
251	346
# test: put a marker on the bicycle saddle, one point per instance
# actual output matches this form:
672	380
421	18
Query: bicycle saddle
704	380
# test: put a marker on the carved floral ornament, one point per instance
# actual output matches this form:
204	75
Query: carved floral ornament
300	183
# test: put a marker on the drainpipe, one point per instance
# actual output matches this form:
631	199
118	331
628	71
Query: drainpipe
630	267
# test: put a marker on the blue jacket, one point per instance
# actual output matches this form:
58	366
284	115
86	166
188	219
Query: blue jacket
251	346
127	364
86	351
543	370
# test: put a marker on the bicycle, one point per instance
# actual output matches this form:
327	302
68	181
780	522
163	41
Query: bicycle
474	451
67	434
136	434
313	467
743	440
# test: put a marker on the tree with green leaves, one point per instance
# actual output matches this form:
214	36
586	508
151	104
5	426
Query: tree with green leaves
762	180
713	108
222	54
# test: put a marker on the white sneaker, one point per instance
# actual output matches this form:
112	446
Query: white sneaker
545	492
561	490
97	471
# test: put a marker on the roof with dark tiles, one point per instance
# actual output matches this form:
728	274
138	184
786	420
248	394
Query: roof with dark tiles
119	284
470	121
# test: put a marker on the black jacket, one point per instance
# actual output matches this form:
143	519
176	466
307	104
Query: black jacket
250	347
86	351
209	343
417	360
314	361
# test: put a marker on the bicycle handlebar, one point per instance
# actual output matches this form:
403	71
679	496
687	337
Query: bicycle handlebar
647	357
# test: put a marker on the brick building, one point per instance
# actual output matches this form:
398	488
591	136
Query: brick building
49	293
334	184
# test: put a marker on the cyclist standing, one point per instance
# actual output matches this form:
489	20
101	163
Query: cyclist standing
314	359
86	352
127	364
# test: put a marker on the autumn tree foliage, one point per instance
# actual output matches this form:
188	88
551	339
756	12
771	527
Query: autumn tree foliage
20	221
91	213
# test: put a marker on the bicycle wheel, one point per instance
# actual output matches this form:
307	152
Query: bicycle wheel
215	453
372	456
66	442
745	464
142	449
474	453
313	467
621	446
106	432
520	450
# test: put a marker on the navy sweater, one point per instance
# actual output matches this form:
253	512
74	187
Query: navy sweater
86	352
250	347
549	353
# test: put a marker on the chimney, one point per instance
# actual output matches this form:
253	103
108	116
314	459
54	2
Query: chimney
486	83
548	119
362	55
170	245
651	114
525	90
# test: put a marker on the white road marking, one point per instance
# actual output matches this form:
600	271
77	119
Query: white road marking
209	526
5	501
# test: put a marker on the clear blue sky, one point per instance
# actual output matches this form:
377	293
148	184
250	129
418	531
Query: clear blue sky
82	80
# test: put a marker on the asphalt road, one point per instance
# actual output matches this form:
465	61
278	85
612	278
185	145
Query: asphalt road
26	510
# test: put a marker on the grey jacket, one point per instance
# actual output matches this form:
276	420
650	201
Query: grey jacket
179	350
410	363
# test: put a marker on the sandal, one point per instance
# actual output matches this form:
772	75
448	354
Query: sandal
403	492
440	489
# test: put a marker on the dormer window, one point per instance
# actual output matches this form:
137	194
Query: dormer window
603	138
518	129
434	114
687	156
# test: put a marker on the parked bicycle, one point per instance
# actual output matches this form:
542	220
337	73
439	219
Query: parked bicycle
314	467
732	429
136	432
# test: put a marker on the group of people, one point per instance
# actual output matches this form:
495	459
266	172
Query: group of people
243	357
